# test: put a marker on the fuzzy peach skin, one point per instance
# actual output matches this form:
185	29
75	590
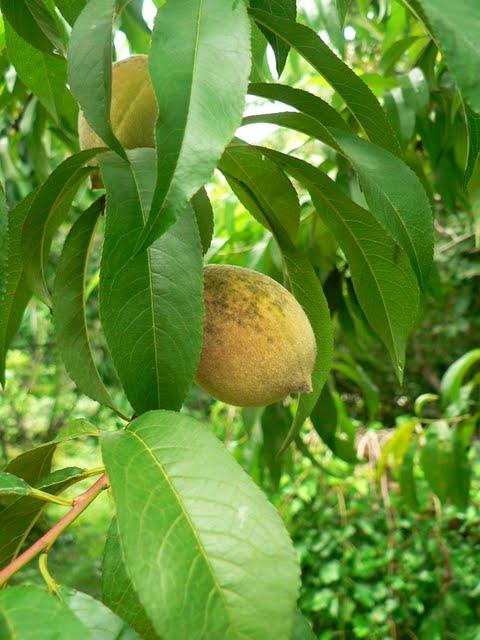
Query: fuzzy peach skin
258	345
133	110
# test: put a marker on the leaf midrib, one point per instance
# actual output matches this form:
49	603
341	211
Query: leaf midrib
188	519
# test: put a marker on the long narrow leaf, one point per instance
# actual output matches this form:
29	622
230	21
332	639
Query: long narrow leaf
363	105
69	307
200	64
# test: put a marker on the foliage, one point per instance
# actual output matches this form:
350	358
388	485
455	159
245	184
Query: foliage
372	162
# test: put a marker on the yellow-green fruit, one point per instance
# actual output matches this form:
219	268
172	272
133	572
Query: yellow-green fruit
133	110
258	343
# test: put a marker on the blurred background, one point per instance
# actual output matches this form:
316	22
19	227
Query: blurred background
381	492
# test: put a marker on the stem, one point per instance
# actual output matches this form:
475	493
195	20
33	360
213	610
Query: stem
51	497
52	584
48	539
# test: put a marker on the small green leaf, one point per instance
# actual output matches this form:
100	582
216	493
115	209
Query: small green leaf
436	459
69	311
285	9
455	374
204	215
118	592
422	401
90	67
102	623
462	471
275	422
47	211
359	99
210	546
396	447
151	304
76	429
59	479
406	478
18	518
43	73
188	41
332	423
11	485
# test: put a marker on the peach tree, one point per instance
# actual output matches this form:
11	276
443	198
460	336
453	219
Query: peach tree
195	550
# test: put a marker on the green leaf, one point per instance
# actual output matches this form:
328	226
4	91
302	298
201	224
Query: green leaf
456	28
211	557
205	219
189	39
275	423
436	460
19	516
455	374
69	311
285	9
118	592
11	485
47	211
304	101
397	199
30	613
44	74
4	278
332	423
352	370
274	197
59	479
422	401
383	279
397	446
307	289
102	623
462	471
90	67
76	429
342	8
70	9
151	304
406	478
473	141
393	192
357	96
302	629
33	23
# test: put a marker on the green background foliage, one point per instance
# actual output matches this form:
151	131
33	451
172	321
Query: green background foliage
354	181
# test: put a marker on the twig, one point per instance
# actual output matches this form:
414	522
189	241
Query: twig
453	243
48	539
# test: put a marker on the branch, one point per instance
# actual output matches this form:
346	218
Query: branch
48	539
